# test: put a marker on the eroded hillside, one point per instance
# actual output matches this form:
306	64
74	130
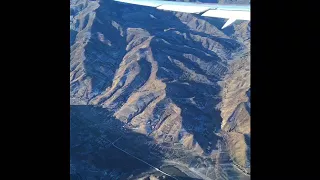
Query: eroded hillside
175	78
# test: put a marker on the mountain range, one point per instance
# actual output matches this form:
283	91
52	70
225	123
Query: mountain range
157	94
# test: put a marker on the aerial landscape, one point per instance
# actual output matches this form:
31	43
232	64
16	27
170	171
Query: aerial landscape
157	94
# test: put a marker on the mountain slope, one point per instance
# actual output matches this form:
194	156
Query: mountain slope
175	78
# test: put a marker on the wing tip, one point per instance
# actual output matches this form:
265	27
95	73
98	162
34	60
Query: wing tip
228	23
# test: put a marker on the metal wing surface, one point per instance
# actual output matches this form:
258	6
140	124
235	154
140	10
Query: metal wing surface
230	12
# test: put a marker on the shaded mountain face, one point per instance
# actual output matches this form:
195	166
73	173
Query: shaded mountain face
172	89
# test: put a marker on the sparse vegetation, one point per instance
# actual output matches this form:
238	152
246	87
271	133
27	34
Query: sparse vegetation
166	88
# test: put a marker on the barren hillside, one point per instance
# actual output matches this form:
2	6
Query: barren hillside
171	89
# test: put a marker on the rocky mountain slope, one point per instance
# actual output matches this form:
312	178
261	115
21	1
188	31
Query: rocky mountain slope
172	89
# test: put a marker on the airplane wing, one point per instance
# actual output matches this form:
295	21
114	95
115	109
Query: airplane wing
230	12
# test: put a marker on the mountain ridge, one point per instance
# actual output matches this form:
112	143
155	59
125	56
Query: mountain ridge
173	77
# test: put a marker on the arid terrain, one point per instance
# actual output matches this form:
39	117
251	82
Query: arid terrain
156	94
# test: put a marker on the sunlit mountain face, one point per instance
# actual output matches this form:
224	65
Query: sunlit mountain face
157	94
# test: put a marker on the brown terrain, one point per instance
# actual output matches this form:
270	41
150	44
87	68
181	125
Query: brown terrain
173	80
